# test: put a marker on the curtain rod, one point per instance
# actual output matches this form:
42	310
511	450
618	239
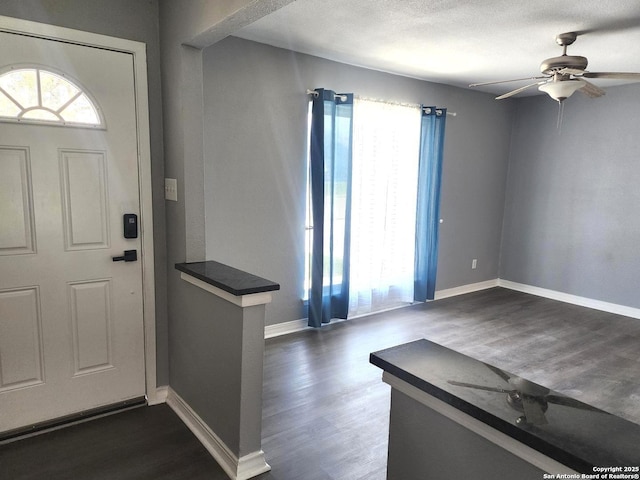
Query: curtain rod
315	94
343	98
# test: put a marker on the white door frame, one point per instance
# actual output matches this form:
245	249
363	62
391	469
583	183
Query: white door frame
138	52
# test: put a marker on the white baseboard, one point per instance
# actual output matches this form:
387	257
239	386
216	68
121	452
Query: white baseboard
572	299
243	468
461	290
285	328
302	324
159	397
293	326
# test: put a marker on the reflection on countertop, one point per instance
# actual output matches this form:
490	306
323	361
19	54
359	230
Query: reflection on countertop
567	430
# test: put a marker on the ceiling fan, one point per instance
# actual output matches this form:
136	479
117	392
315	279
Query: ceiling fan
564	75
528	398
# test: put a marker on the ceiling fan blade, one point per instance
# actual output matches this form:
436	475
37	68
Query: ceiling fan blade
614	75
501	373
518	90
479	387
571	402
505	81
590	90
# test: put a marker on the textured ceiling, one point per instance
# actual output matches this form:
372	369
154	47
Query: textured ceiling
457	42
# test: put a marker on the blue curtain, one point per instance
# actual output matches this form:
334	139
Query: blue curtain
330	172
428	207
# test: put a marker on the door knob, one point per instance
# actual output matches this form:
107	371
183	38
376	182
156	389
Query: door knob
129	256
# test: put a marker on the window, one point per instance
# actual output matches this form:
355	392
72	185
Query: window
338	188
35	95
308	223
385	146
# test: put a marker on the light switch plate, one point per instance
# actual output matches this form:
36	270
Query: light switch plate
171	189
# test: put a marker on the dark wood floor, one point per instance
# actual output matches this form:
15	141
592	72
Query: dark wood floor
143	443
325	408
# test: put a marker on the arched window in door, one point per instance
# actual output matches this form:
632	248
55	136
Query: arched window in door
37	95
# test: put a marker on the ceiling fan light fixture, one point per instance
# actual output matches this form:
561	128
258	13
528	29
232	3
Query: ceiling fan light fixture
562	90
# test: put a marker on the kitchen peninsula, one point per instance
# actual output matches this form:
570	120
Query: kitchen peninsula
454	417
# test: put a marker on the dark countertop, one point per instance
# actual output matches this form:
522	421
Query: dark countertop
227	278
571	432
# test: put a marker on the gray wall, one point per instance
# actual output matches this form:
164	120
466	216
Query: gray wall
572	221
255	109
204	346
133	20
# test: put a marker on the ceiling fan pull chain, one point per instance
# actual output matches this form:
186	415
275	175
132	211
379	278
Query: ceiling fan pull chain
560	115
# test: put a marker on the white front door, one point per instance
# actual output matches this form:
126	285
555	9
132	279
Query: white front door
71	319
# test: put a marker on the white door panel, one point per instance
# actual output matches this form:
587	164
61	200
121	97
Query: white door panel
71	319
16	209
85	211
20	339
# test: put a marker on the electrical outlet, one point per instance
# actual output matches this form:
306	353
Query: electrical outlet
171	189
474	264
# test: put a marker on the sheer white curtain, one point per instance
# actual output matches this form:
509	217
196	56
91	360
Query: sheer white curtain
386	143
